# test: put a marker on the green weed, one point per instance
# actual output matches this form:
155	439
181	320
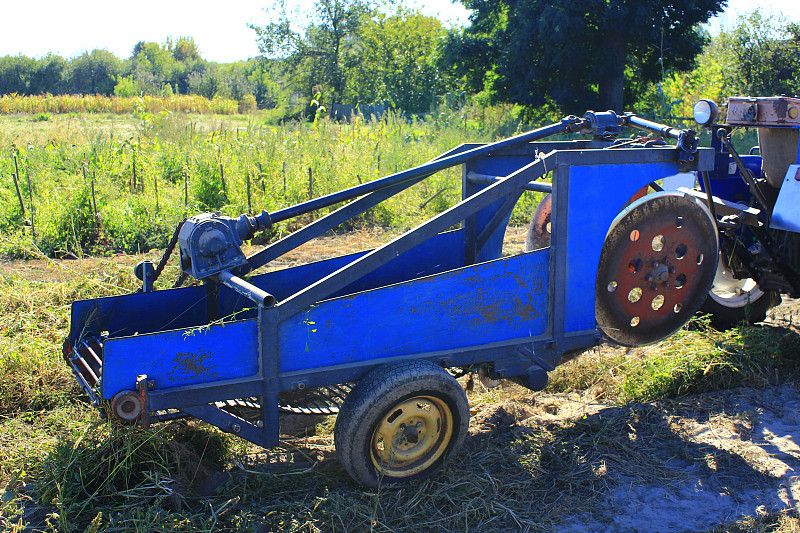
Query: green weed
696	359
121	183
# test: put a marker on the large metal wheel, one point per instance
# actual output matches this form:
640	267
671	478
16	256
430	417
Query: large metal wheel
540	228
732	300
400	423
656	268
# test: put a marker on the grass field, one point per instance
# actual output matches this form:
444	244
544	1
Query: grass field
103	183
96	183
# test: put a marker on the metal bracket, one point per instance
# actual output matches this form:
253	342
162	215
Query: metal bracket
143	385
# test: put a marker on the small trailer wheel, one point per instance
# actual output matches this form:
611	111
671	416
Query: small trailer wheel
400	422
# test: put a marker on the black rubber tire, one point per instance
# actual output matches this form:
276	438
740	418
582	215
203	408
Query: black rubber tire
378	395
724	317
539	229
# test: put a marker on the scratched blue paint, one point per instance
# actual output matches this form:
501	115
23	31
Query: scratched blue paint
489	302
177	358
593	204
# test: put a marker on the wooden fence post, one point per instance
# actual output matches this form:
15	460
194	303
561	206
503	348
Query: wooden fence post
249	202
19	195
94	203
31	207
224	186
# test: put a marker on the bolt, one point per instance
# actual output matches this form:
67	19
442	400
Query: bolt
671	270
419	425
666	284
402	426
655	264
653	286
648	277
236	428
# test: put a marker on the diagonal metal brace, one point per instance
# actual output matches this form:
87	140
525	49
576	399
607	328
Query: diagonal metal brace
382	255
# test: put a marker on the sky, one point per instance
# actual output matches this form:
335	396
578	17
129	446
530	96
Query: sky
219	28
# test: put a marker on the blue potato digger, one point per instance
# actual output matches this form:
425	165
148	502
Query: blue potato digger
372	335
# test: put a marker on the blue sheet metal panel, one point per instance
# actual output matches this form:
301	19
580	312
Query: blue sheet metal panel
142	313
494	245
185	308
597	193
178	358
496	165
489	302
439	254
499	165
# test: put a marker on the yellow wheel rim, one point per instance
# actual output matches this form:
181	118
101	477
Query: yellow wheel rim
411	436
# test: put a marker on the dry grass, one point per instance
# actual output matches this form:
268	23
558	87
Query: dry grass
71	103
531	461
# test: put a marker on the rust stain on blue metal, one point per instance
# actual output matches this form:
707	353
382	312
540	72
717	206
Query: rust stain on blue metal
192	365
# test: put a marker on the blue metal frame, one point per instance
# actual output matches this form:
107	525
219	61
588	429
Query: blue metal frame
444	296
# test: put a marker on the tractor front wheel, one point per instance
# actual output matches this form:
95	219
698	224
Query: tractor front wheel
732	300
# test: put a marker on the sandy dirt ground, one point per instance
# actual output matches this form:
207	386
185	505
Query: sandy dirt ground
688	465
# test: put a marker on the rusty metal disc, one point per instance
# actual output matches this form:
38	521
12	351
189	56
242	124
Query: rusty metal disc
656	268
540	228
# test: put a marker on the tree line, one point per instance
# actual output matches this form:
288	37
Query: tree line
547	56
173	67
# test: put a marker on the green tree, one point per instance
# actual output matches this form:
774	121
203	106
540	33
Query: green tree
50	75
398	61
95	72
326	48
15	74
574	53
760	56
187	62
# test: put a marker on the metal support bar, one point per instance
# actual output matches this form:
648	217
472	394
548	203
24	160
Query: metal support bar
247	290
655	127
197	393
321	225
382	255
568	124
268	361
534	186
493	223
748	215
709	196
227	422
747	176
